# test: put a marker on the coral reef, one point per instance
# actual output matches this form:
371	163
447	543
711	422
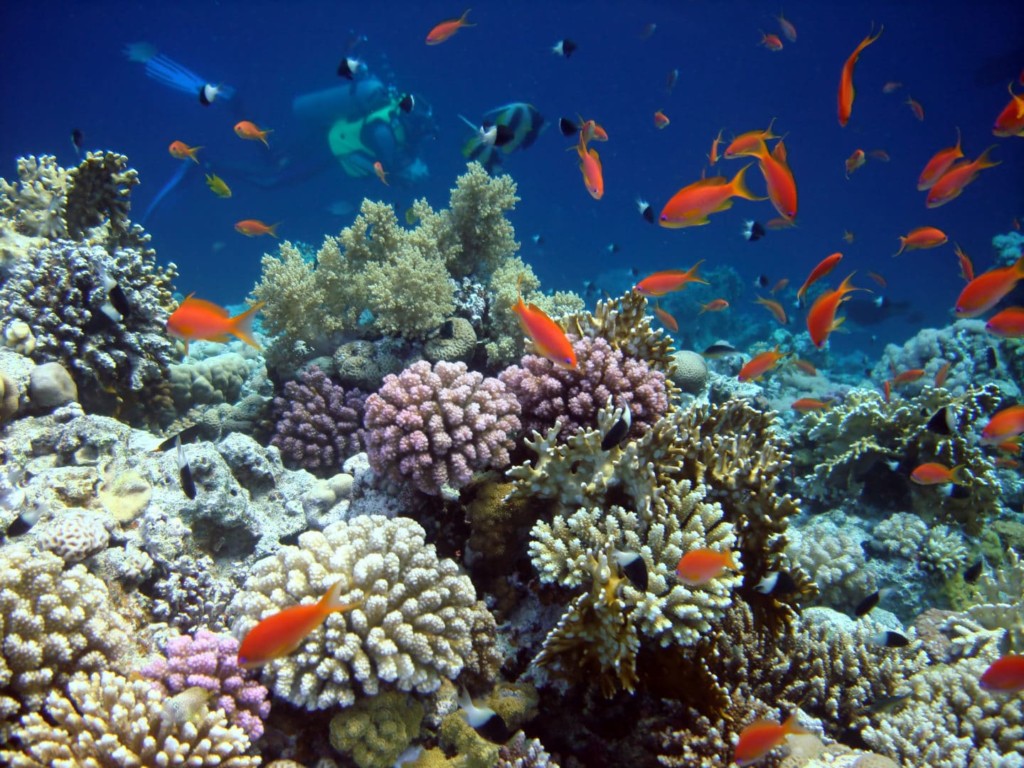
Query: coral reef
418	621
318	424
436	425
210	662
106	720
375	731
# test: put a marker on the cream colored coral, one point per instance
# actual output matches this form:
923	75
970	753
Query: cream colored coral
73	534
105	721
417	622
901	534
53	623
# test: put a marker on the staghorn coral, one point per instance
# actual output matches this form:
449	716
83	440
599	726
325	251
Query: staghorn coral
106	721
375	731
53	623
550	395
437	425
417	620
318	423
210	662
66	315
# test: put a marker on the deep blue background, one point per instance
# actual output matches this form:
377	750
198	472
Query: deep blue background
64	68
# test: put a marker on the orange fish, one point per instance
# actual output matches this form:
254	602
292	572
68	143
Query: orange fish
877	278
966	267
880	154
1005	674
939	163
446	29
887	390
806	404
891	87
668	281
821	318
779	222
699	566
771	42
825	266
691	205
750	144
196	319
180	150
806	366
922	237
788	30
775	308
908	376
547	336
952	182
590	167
1004	425
281	633
713	156
942	374
915	107
249	130
1003	462
988	289
666	319
760	364
855	161
255	228
1010	121
779	178
1010	446
761	737
378	168
717	305
934	473
660	120
1008	324
848	236
779	285
591	131
846	89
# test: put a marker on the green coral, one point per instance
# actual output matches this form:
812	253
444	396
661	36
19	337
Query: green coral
376	730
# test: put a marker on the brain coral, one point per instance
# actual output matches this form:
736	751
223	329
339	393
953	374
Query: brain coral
53	623
436	426
419	621
106	721
550	395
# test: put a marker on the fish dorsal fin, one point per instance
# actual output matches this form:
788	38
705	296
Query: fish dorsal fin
779	152
208	306
712	181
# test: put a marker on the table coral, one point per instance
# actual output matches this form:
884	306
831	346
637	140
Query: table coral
419	620
210	662
318	424
107	720
437	425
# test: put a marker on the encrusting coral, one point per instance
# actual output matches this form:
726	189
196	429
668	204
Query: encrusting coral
434	426
107	720
416	622
376	730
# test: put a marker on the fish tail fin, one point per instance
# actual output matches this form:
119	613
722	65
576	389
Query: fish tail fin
263	136
692	273
462	19
983	160
739	186
1018	268
272	229
903	244
192	154
730	560
792	725
331	601
241	325
960	474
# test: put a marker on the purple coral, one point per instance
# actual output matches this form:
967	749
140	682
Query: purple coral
210	661
435	426
318	423
550	395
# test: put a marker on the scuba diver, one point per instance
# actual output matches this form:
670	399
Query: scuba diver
172	74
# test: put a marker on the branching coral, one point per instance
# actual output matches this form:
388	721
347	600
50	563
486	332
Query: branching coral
417	620
106	720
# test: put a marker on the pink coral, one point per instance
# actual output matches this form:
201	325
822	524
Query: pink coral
210	661
550	395
436	426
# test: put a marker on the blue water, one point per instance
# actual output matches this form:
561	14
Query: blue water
64	68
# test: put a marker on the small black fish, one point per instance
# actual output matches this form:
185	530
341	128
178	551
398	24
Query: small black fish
564	47
645	210
407	103
187	435
207	93
761	281
889	703
618	430
942	422
349	67
960	492
972	574
567	126
888	638
720	349
23	523
753	230
538	239
990	357
77	137
864	606
612	248
185	472
633	568
484	720
776	583
119	301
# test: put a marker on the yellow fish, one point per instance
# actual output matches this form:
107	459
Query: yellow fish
217	185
